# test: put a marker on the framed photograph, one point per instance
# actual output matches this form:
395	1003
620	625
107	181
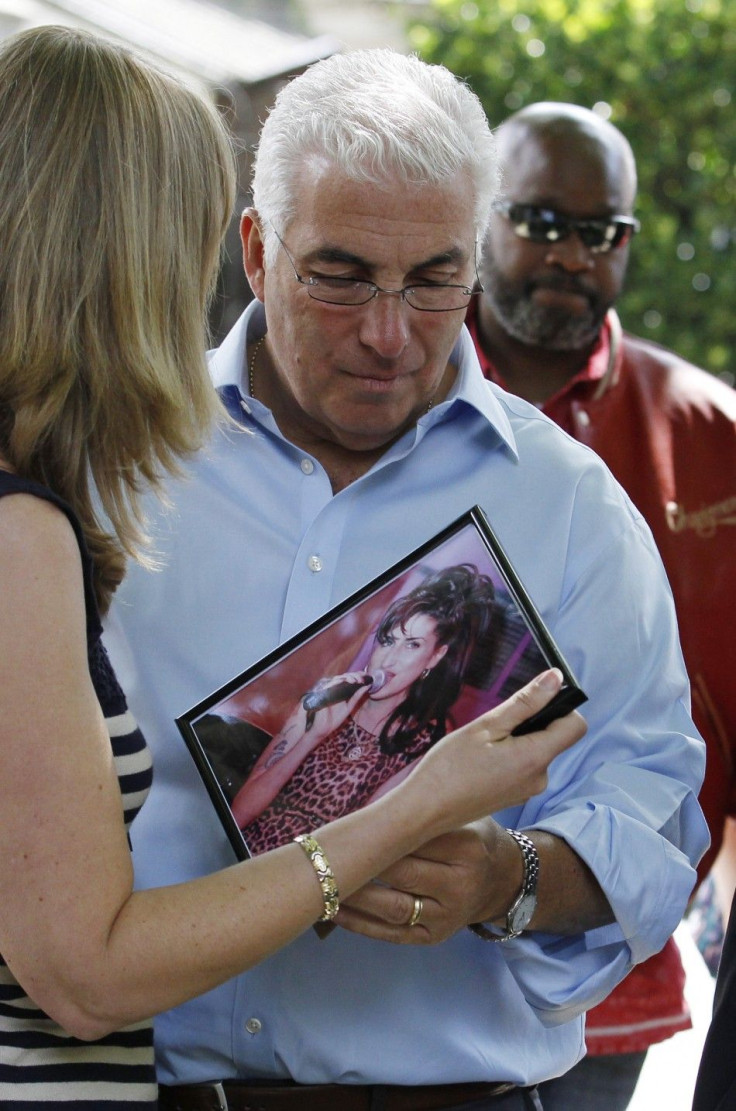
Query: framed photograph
338	715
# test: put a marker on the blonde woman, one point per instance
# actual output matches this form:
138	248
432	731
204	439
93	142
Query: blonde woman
116	187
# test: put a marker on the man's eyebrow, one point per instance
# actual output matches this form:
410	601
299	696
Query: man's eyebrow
336	254
453	256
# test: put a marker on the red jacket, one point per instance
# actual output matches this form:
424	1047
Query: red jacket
667	430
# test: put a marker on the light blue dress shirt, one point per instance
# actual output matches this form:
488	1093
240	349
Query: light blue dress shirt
256	547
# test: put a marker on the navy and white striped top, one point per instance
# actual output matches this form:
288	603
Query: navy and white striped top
40	1065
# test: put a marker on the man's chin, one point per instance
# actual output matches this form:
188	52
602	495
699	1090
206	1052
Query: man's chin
553	333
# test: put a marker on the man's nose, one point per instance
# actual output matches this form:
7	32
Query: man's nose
384	324
571	254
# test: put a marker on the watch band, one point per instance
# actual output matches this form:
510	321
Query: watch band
523	906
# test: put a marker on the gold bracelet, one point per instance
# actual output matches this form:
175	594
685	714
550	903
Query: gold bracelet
327	881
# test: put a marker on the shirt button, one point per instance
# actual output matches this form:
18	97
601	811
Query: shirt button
307	466
582	418
253	1025
314	563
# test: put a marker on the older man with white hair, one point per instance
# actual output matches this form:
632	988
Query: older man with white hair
367	426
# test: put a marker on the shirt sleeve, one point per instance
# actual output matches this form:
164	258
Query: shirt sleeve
625	797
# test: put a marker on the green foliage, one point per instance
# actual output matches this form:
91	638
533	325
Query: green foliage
664	71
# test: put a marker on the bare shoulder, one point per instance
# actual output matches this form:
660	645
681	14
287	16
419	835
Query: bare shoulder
38	548
31	521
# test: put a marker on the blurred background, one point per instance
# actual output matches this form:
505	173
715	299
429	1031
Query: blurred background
664	71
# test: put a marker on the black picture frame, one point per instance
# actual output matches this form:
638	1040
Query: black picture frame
230	730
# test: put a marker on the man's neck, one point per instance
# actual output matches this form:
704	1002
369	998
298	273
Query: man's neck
533	373
344	466
343	463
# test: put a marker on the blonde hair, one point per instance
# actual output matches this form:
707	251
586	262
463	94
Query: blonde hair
117	185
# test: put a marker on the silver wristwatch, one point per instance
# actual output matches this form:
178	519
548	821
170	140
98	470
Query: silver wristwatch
523	907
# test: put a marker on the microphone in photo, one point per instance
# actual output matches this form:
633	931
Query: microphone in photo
319	697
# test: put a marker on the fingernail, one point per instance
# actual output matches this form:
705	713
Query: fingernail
550	680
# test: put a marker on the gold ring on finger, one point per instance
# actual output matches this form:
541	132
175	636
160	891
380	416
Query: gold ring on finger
416	912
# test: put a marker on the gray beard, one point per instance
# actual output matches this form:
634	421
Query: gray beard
537	326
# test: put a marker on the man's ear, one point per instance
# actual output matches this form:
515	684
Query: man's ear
253	251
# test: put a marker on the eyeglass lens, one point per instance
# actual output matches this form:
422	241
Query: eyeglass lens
353	292
428	298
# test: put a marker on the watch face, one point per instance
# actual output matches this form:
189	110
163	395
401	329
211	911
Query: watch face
521	915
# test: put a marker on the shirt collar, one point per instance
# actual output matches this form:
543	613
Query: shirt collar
228	364
471	387
228	369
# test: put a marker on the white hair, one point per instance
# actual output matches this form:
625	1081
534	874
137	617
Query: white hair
378	116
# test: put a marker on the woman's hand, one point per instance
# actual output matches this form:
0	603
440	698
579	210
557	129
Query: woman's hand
480	768
472	773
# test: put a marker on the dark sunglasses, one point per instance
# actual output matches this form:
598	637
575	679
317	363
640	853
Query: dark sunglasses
544	225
